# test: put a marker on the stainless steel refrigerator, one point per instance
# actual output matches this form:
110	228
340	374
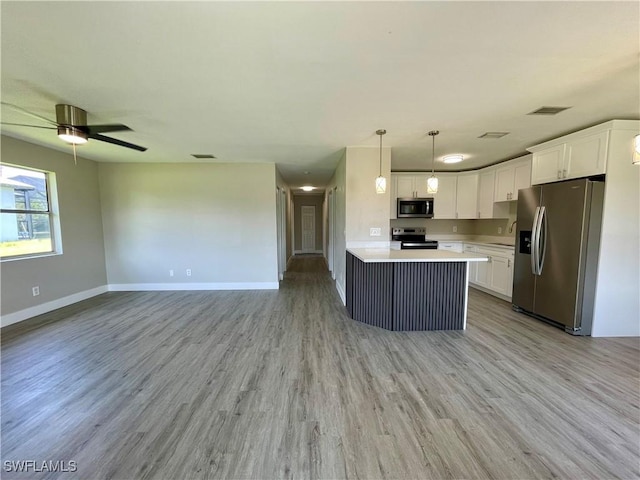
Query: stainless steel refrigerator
556	257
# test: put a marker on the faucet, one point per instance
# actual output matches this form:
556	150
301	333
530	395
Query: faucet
512	224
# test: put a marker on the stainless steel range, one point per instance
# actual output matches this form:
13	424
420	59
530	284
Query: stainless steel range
413	238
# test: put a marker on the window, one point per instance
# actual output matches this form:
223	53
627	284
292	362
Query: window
26	217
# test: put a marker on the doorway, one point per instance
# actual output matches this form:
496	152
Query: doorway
308	220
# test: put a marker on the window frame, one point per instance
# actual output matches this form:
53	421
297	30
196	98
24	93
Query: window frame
50	212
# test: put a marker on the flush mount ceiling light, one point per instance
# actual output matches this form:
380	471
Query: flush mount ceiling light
636	151
381	182
454	158
308	188
432	181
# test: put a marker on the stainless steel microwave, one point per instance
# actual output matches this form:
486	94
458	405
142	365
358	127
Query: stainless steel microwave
415	207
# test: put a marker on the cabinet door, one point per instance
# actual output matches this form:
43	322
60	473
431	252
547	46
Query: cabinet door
420	185
404	186
521	177
483	272
393	197
500	278
445	199
586	156
547	165
485	194
504	184
467	196
451	246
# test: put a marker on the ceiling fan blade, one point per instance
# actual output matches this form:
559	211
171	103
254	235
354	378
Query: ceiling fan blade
25	125
114	127
102	138
27	112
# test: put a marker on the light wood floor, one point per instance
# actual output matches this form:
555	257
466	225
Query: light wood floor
181	385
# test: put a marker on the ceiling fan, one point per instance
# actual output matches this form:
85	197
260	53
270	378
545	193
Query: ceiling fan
71	123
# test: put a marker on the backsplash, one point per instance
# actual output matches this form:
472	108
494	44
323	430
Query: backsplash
484	227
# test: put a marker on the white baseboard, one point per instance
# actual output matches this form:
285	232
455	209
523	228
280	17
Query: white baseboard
148	287
343	296
36	310
302	252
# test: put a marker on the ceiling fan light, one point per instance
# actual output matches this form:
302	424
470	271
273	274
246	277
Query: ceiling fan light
381	184
432	184
72	135
455	158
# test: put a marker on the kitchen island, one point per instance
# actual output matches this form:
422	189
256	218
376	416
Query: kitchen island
409	289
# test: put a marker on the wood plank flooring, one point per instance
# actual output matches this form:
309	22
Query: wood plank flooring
269	385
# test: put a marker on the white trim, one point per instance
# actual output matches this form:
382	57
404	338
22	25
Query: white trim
147	287
46	307
302	252
343	296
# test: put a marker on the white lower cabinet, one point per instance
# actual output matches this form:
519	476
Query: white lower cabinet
496	275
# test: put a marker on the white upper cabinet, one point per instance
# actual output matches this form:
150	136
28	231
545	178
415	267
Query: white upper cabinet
511	177
445	200
412	185
580	154
467	196
393	197
487	208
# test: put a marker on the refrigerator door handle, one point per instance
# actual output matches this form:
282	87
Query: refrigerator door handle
543	227
534	248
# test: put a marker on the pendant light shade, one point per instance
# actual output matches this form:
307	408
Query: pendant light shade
636	151
432	181
381	182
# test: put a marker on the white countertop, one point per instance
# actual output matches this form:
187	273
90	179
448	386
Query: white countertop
377	255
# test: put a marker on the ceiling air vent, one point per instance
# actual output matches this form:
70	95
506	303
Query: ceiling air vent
202	155
548	110
493	135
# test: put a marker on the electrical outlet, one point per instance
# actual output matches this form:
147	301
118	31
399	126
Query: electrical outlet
375	232
455	229
35	291
171	273
188	272
499	230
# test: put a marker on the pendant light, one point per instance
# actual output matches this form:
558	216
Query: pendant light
636	151
381	182
432	181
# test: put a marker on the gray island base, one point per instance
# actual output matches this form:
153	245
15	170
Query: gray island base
408	289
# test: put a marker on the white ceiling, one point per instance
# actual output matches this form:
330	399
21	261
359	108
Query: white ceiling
294	83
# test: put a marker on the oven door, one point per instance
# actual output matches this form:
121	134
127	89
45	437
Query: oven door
432	245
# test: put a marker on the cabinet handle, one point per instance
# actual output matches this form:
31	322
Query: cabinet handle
559	173
508	262
489	259
479	215
564	174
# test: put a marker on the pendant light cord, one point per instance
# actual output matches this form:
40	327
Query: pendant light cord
433	154
380	155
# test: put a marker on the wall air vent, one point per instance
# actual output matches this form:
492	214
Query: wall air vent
202	155
548	110
493	135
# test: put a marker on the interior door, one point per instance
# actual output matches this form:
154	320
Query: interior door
557	285
330	231
308	214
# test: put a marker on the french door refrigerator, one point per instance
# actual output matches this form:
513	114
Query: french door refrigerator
557	245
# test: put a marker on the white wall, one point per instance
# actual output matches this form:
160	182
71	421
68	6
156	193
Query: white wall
77	273
219	220
617	303
364	207
338	181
